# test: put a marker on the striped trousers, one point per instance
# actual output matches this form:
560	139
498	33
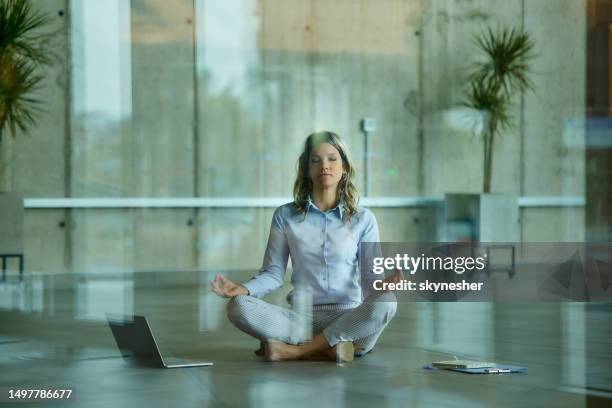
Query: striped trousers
362	324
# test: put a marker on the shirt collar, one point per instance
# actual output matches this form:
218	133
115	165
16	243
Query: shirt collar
339	208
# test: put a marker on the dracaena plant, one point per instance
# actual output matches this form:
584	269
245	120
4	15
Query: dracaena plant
23	52
495	80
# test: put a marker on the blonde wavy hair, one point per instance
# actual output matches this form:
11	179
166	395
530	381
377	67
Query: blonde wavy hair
303	184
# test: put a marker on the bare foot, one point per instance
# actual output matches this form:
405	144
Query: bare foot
323	355
341	352
279	351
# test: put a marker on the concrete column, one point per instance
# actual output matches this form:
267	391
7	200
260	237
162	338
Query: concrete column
162	129
553	153
39	160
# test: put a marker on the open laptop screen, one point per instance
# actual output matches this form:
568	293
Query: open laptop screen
134	338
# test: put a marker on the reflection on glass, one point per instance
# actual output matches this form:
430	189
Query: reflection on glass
210	98
27	296
461	329
101	100
96	298
226	58
211	307
573	345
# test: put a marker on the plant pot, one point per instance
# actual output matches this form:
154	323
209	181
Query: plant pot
489	217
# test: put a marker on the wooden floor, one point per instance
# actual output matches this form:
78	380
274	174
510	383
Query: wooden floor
53	334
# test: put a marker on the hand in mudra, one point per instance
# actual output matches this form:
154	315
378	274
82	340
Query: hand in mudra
226	288
397	277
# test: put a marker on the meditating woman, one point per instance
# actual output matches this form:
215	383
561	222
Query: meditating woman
321	231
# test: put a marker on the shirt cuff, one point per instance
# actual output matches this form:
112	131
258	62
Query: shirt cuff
254	288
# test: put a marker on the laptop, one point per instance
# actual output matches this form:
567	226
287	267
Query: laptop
136	343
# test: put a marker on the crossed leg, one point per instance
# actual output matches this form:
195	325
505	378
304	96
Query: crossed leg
287	338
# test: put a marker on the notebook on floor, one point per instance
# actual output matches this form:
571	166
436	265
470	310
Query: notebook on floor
462	364
495	369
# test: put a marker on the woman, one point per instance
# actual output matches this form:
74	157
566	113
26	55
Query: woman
321	231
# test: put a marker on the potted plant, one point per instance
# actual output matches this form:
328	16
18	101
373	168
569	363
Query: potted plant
501	75
23	53
496	79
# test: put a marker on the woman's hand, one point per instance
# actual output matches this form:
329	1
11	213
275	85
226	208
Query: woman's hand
226	288
397	277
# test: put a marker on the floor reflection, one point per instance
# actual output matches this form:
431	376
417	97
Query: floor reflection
53	329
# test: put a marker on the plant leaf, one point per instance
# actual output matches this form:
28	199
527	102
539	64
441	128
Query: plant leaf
22	52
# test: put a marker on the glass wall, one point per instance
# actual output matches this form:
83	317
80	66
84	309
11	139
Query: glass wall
174	129
209	100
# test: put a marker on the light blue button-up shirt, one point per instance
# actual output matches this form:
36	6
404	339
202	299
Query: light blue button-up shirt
324	253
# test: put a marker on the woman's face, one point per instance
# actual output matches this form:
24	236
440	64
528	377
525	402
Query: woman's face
325	166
